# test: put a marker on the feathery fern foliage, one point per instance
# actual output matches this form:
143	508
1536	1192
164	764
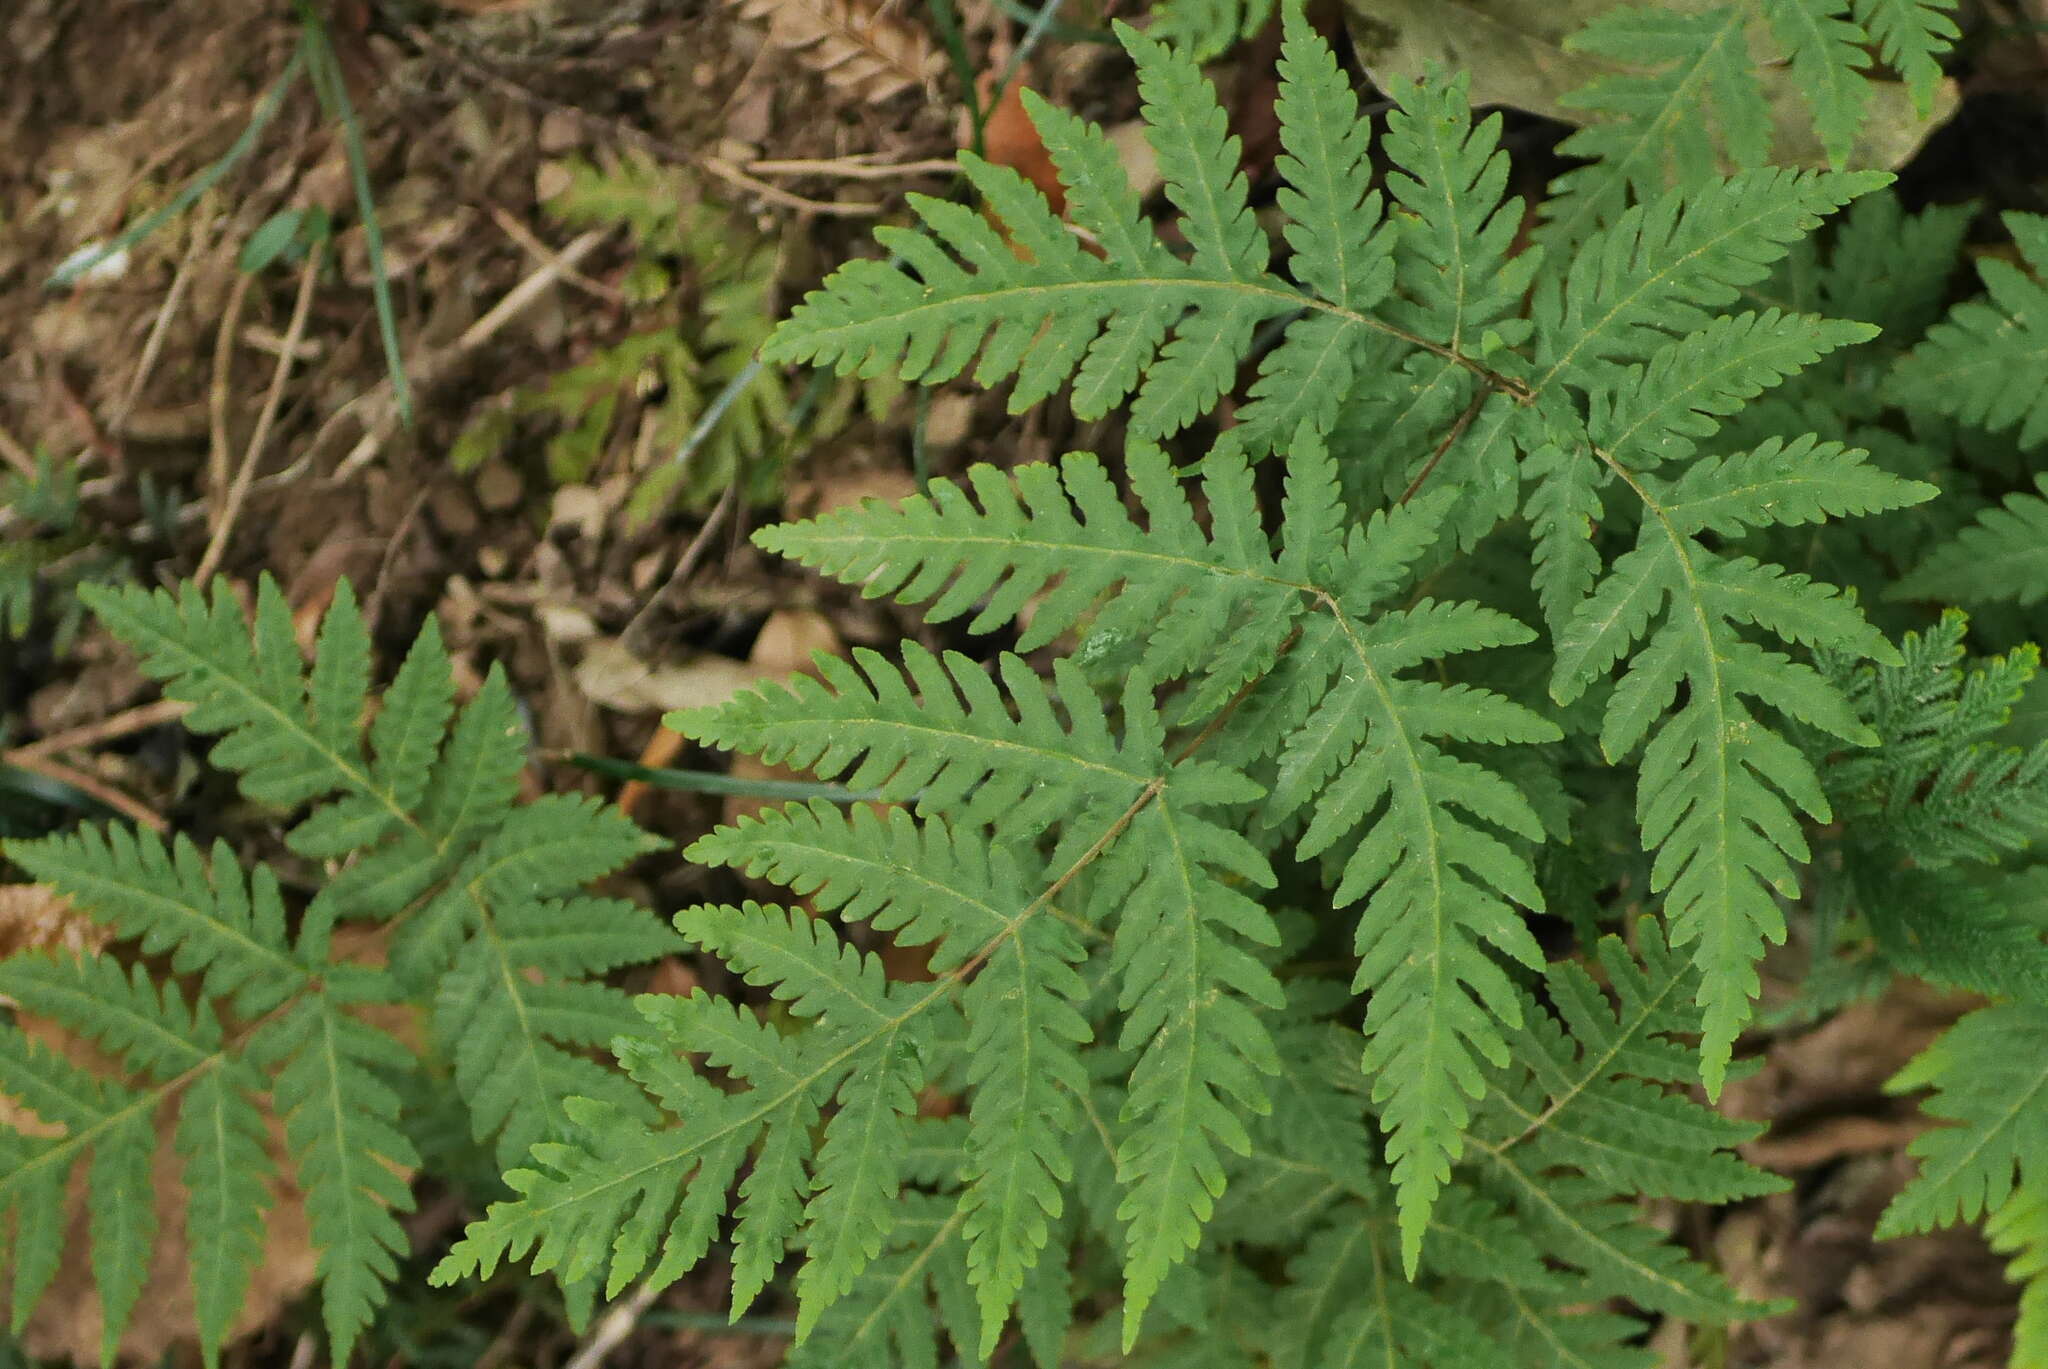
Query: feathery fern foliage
1180	972
473	899
1246	697
1688	101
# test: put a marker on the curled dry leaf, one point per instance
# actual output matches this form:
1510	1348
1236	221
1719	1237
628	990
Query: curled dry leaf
862	48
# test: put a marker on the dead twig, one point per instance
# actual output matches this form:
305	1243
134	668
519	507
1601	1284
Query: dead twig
238	493
153	345
614	1327
380	422
859	167
546	255
90	785
732	175
373	603
217	393
686	566
111	728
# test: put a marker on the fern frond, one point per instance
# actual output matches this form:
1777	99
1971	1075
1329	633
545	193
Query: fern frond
1541	1224
1662	411
1824	51
1693	106
222	1139
2003	556
1664	265
1176	919
1649	129
1067	524
414	800
1588	1089
1140	324
1989	1079
173	900
1717	788
939	733
341	1121
1911	36
340	1118
291	739
1410	824
1987	362
959	897
2019	1229
1715	782
1206	29
1940	789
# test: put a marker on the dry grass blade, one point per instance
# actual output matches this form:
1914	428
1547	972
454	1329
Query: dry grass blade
860	47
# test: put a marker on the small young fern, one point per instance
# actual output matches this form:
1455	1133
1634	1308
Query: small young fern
472	896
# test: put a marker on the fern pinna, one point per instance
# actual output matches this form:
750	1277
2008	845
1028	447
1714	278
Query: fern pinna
473	898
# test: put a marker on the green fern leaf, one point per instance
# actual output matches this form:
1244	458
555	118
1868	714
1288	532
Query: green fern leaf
1714	783
1435	880
908	736
213	925
223	1141
1911	36
1662	411
1141	325
1206	29
2020	1229
1987	362
928	888
2002	556
341	1121
1649	131
1990	1080
1825	53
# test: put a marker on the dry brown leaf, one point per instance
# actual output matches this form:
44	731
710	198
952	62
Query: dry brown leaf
1011	139
861	48
35	917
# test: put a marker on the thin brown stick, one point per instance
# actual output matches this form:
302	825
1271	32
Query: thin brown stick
373	603
1450	439
111	728
381	420
686	566
238	493
153	345
90	785
732	175
855	168
16	455
614	1326
217	392
546	255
